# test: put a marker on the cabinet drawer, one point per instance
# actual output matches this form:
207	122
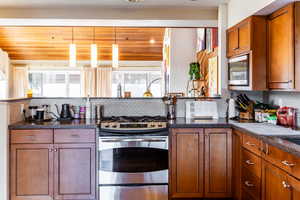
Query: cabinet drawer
283	160
74	135
41	136
251	184
252	144
251	162
248	196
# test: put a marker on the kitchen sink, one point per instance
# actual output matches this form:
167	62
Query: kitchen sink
295	140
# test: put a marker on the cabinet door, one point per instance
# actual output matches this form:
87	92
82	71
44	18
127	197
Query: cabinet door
31	175
281	48
218	163
277	184
244	30
232	41
75	171
237	163
186	163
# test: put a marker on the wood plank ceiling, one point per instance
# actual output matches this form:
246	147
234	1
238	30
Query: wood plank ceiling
52	43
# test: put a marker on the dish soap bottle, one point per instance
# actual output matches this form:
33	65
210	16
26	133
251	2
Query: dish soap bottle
88	108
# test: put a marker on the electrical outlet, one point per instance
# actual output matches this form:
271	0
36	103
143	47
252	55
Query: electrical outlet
22	107
280	103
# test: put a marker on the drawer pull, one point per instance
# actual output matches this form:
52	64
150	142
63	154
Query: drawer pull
286	163
248	184
249	162
31	137
286	185
75	135
250	144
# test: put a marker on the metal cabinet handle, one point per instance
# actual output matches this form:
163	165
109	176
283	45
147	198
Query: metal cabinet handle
31	137
286	163
286	185
250	144
55	150
50	150
75	135
248	184
249	162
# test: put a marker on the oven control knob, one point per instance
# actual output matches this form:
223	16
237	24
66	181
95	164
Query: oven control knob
114	126
152	125
106	126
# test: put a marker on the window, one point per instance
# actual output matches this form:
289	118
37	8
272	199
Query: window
55	83
136	82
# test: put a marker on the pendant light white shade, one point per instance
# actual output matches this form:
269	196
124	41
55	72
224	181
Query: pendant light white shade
72	55
115	56
94	55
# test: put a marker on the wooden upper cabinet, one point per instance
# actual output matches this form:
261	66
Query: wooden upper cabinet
75	171
249	37
186	163
218	163
239	38
281	48
244	36
31	172
284	48
233	41
277	184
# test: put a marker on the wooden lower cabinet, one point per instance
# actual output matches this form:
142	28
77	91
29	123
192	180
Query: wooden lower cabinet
277	184
31	172
51	171
186	163
237	163
74	173
200	163
218	163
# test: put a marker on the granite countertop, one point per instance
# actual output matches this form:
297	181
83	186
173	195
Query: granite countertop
71	124
270	134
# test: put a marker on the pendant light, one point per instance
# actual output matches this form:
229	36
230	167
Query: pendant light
115	52
94	53
72	51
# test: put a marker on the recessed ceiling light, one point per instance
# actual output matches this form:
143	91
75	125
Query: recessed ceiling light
152	41
135	1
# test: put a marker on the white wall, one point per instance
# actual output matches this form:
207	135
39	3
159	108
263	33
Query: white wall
4	116
182	52
241	9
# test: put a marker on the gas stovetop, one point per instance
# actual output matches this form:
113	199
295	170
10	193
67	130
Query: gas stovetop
128	123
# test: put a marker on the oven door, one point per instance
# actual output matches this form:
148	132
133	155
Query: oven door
239	71
125	161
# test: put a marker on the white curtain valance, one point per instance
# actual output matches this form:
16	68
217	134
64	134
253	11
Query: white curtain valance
96	82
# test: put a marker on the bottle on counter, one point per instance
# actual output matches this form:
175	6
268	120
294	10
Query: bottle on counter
88	108
119	90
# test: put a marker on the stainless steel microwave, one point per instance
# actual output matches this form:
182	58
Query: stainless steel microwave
238	71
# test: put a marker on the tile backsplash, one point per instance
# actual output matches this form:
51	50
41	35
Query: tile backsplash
129	107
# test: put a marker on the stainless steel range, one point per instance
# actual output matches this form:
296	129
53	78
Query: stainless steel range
133	156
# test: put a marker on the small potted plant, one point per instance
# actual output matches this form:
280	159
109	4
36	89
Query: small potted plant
195	75
194	71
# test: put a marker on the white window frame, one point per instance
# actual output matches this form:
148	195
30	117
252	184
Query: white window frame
55	70
147	70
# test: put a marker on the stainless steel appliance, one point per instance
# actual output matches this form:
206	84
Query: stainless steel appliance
239	69
133	155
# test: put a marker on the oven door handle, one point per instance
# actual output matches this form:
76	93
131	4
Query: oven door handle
132	140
